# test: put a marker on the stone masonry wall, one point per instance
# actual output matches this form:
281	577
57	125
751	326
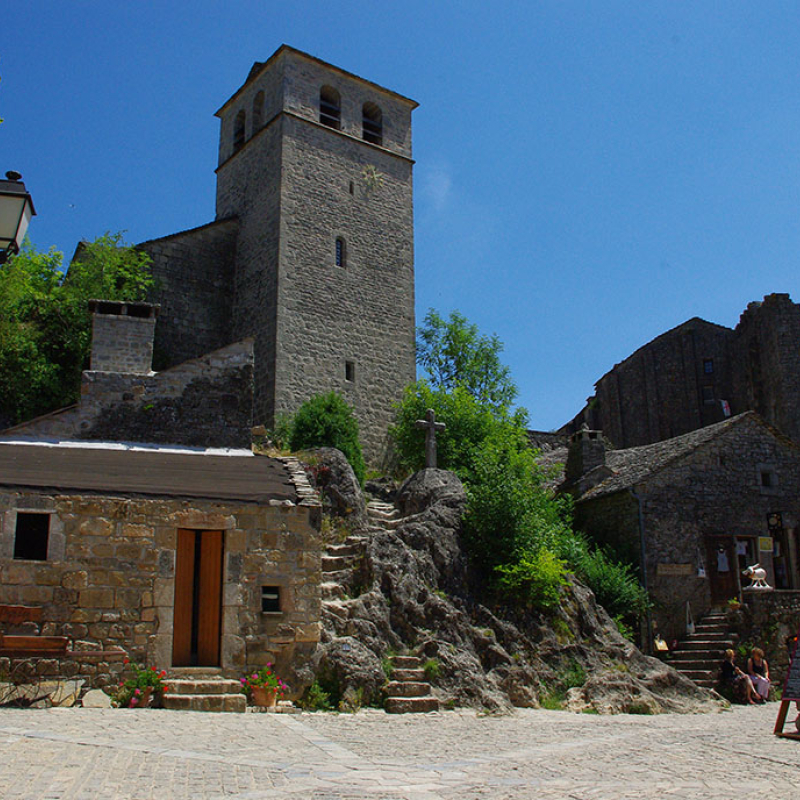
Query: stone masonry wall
109	579
122	343
194	274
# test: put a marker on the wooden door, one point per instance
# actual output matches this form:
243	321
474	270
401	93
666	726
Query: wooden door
198	598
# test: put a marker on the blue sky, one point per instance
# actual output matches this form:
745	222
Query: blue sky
589	174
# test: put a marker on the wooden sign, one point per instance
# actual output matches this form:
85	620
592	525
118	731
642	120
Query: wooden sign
791	692
765	544
674	569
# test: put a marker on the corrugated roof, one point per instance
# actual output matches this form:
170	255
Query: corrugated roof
154	473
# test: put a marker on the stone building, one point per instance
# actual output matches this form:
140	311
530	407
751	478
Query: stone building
179	558
311	253
694	510
698	373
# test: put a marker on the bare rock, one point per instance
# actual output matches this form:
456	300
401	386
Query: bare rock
337	483
96	698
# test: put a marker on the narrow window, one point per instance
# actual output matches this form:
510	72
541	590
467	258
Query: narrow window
350	371
330	112
352	188
341	253
238	131
372	124
258	113
768	478
708	366
271	599
31	536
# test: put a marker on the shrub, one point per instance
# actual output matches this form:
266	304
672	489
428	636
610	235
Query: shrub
327	421
535	579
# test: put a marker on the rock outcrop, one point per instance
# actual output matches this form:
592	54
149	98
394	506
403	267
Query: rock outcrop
410	594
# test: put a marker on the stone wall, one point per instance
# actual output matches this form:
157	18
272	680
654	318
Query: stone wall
109	579
122	336
194	280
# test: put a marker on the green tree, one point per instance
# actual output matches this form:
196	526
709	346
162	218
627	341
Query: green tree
327	421
454	353
45	325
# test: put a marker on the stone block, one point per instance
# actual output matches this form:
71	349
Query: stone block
310	632
137	531
75	580
96	598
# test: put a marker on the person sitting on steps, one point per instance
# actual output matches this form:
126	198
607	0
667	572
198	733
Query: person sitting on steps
740	683
758	670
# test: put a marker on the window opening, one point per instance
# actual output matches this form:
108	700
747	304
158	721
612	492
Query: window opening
352	188
341	254
708	394
238	131
708	366
31	536
271	599
330	112
372	124
258	112
350	371
768	478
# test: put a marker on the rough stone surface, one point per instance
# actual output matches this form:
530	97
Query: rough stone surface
340	490
96	698
413	596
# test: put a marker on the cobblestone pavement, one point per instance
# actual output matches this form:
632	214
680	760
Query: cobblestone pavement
114	754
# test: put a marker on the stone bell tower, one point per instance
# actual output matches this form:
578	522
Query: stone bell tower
315	163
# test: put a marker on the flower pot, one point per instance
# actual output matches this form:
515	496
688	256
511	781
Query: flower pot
263	697
143	699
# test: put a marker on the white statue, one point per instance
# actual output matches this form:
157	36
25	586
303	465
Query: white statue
758	577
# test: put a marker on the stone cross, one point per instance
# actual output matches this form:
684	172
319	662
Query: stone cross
431	426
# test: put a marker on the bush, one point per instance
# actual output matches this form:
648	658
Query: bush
327	421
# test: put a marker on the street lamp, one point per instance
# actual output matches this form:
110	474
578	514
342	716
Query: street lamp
16	210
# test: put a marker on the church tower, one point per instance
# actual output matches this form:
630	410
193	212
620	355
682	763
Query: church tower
315	164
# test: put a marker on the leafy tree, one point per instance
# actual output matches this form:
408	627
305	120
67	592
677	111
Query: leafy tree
453	353
45	325
327	421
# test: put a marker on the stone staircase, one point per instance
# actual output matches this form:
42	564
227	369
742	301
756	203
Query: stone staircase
408	691
203	689
699	656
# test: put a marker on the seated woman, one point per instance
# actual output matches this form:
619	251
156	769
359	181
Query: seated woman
730	675
758	671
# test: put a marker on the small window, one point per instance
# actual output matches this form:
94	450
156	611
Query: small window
341	252
258	112
330	111
708	366
350	371
271	599
31	536
238	131
708	394
352	188
372	124
768	478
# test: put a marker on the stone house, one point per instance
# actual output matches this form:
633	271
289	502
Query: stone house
185	549
693	511
181	558
699	373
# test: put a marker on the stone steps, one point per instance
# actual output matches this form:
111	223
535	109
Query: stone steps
699	655
408	692
203	689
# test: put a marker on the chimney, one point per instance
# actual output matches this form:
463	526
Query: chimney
122	336
587	451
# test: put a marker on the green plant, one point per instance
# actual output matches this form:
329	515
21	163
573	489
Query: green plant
131	692
387	663
352	700
625	630
562	630
552	701
432	669
264	678
315	698
573	676
327	421
639	708
281	432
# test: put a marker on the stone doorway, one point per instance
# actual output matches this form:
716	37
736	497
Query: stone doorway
198	598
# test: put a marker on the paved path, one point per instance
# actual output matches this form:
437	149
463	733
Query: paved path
96	754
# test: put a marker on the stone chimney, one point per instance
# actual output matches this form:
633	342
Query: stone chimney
122	336
587	451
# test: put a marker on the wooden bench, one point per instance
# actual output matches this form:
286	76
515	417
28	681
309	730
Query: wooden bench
36	646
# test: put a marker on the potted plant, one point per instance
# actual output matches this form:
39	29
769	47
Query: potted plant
734	604
138	690
263	687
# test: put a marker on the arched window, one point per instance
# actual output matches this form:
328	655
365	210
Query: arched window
341	252
258	112
238	131
330	109
372	124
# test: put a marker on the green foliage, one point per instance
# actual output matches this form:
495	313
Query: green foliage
45	325
432	669
454	354
535	579
315	698
327	421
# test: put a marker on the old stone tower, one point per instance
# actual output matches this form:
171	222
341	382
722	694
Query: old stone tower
312	251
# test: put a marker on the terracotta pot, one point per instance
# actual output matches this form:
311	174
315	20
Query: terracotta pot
263	697
143	700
